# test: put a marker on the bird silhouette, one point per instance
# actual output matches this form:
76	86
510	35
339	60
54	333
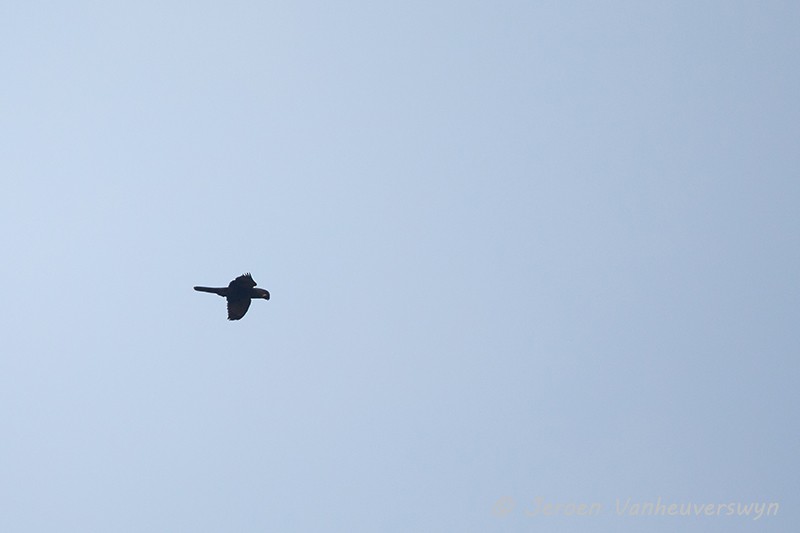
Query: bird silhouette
239	292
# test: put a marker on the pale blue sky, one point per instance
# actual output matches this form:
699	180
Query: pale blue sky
515	249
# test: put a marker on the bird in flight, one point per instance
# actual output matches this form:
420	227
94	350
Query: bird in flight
239	292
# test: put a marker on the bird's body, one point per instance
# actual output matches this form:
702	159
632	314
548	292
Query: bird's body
239	292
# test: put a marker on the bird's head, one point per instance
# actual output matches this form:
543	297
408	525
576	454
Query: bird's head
262	293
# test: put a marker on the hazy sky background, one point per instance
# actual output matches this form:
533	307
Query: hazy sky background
515	249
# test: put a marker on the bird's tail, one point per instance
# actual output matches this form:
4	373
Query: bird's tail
221	291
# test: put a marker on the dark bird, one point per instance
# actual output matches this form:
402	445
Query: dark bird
239	292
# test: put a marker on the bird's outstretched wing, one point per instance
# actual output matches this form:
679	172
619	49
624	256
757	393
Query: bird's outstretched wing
237	308
245	281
